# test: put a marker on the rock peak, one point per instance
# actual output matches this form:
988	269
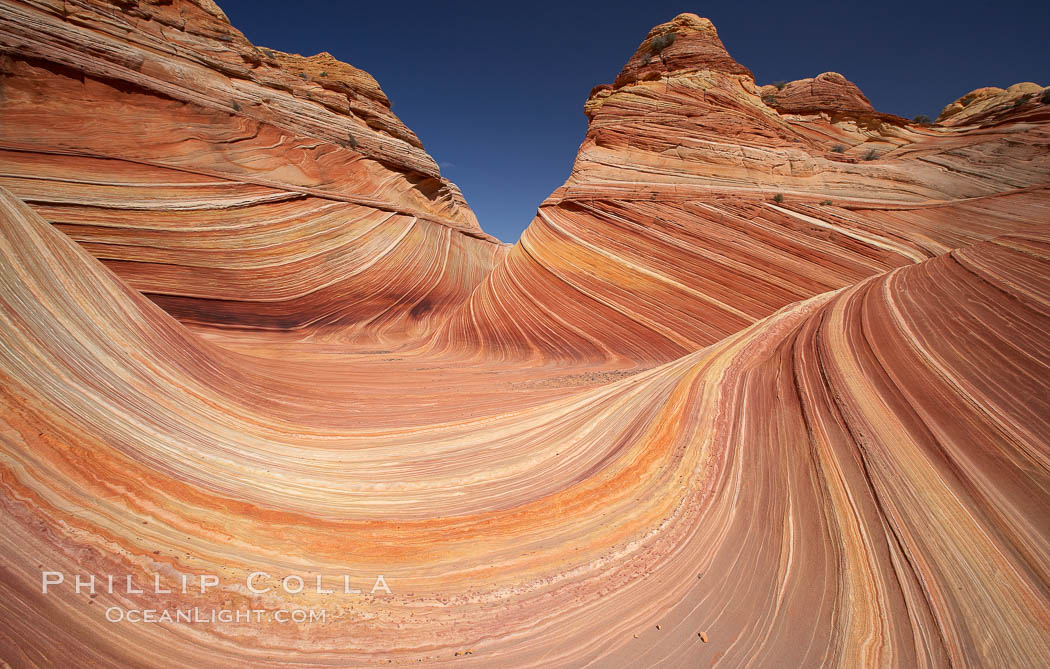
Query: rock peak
684	23
686	42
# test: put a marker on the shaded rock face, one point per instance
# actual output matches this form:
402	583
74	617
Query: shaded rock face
235	185
841	459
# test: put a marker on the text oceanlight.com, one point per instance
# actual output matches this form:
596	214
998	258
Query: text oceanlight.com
116	614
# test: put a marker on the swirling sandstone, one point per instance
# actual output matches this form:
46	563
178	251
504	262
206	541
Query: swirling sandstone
232	184
680	423
701	203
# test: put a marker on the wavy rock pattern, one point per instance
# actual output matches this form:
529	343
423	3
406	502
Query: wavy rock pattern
261	189
698	426
669	228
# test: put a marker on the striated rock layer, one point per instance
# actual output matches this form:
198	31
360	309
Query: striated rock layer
680	423
701	203
231	184
842	472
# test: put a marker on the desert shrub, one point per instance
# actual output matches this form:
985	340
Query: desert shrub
236	106
826	202
770	100
324	74
662	42
1046	97
780	84
871	155
269	53
646	59
778	198
838	148
351	141
302	75
922	119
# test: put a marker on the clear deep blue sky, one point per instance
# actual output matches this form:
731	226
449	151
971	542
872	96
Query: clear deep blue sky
495	90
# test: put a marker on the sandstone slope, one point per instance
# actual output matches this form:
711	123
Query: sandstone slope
234	185
681	423
866	470
701	202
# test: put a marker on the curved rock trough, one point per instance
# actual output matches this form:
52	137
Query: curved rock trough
765	382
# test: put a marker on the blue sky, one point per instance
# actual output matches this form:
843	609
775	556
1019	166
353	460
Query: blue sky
496	90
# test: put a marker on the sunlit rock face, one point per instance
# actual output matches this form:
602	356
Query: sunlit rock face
990	105
684	422
700	203
234	185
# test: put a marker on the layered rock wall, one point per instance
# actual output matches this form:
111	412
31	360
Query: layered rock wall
700	203
235	185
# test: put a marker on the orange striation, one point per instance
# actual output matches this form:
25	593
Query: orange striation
764	383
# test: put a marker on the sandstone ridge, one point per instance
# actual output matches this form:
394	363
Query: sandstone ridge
700	202
766	382
259	186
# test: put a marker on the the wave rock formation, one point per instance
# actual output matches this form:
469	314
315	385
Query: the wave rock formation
765	383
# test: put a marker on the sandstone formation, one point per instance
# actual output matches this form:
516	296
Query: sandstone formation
701	203
737	397
990	105
231	184
826	92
